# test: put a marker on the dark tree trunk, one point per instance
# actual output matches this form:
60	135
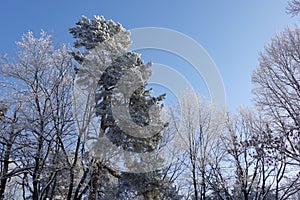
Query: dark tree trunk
4	171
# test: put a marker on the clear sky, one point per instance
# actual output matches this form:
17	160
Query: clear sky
233	32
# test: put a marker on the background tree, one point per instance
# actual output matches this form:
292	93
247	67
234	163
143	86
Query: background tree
277	91
244	139
10	147
199	124
277	94
293	7
40	78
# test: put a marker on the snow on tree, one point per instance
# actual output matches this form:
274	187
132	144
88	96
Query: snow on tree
113	80
39	123
277	95
277	81
293	7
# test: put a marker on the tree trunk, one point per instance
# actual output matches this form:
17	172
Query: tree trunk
195	181
4	171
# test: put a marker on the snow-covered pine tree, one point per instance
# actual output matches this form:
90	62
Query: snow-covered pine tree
121	78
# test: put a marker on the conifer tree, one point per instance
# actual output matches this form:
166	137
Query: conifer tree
129	116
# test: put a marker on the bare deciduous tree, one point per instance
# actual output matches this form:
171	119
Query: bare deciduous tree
293	7
277	94
277	89
199	124
41	79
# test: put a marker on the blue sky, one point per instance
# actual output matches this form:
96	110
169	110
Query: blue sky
233	32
